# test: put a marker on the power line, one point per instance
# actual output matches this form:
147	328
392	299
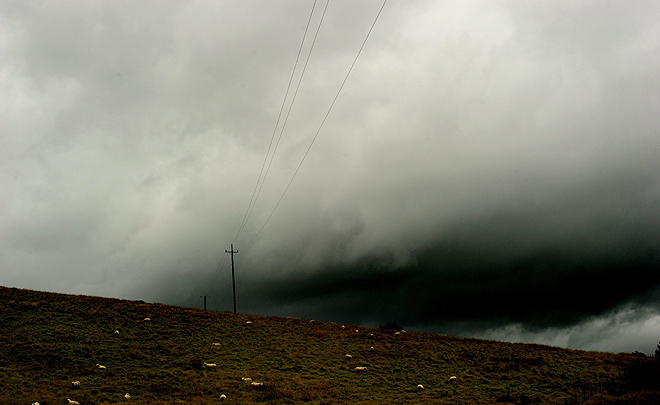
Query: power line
257	189
320	126
217	271
262	176
295	94
261	180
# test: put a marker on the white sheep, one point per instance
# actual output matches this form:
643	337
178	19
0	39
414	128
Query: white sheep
210	364
248	323
223	397
256	384
116	331
360	369
420	387
35	403
146	320
371	349
73	402
246	379
101	366
349	357
312	321
216	344
75	384
357	331
452	379
397	333
127	396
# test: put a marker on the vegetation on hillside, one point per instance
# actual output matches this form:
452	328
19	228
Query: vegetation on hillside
48	340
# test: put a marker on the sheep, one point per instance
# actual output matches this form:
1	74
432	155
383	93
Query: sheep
248	323
312	321
75	384
127	396
223	397
216	344
101	366
256	384
210	364
35	403
246	379
397	333
357	331
452	379
360	369
371	349
349	357
343	327
420	387
73	402
146	320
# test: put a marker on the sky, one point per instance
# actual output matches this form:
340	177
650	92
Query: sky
476	168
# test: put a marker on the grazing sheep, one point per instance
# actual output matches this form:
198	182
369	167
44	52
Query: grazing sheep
210	364
397	333
404	332
452	379
127	396
420	387
248	323
257	384
223	397
312	321
116	331
75	384
216	344
357	331
100	366
246	379
360	369
371	349
349	357
35	403
343	327
72	402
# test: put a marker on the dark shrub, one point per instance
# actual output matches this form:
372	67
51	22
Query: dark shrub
390	325
643	375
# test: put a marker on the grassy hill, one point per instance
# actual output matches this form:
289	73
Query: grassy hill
48	340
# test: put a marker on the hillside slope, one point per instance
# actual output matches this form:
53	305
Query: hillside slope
48	340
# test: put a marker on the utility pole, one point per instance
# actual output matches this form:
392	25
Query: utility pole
233	282
205	301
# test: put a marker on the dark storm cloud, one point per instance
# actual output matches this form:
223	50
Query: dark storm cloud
555	264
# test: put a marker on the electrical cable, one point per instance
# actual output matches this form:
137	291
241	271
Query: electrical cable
255	193
320	126
295	94
262	177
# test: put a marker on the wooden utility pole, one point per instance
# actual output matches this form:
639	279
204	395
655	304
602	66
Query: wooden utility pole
205	301
233	282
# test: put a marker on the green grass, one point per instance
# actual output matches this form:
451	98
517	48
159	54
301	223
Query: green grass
48	340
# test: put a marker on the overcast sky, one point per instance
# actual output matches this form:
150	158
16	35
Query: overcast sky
487	169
